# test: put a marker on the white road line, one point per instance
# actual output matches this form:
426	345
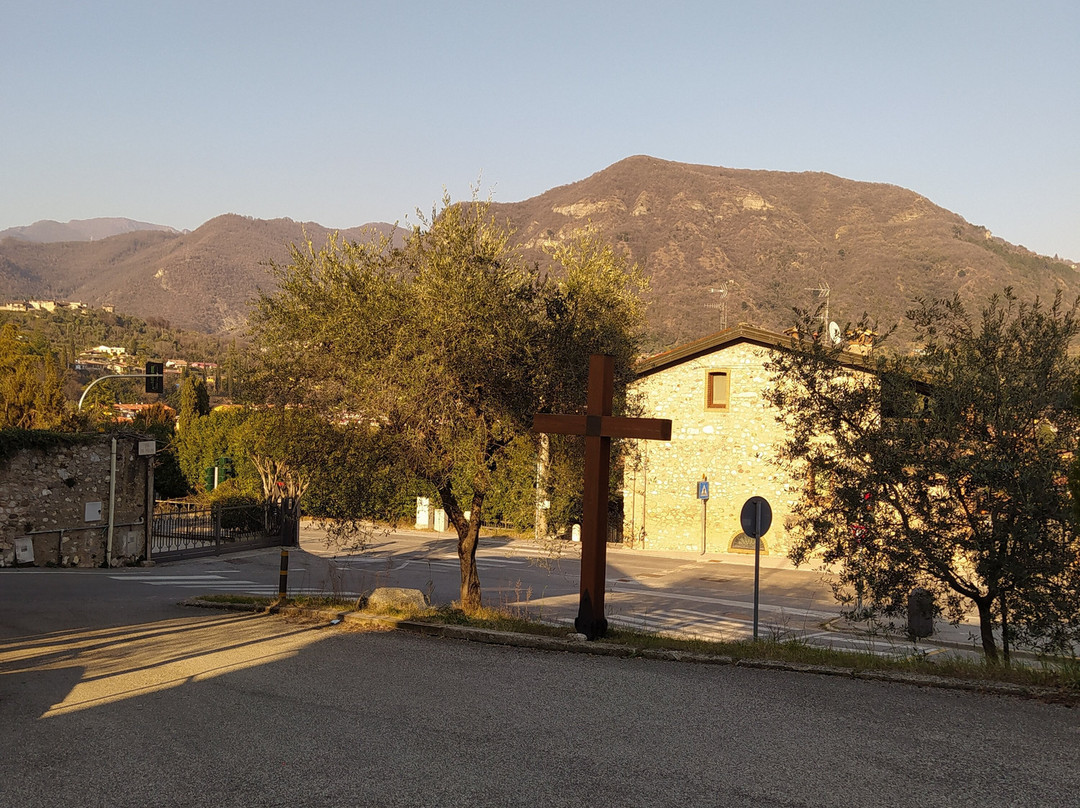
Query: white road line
201	584
167	578
740	604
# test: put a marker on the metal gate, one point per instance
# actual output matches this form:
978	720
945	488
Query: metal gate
187	529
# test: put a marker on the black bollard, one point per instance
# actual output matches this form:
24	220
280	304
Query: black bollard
920	613
283	578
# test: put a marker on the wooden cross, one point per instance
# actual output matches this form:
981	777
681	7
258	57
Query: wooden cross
599	427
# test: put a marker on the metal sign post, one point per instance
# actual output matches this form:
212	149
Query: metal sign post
703	495
756	517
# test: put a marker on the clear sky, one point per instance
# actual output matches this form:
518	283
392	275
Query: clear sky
348	112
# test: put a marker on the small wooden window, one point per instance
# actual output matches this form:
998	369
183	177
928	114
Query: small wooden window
717	390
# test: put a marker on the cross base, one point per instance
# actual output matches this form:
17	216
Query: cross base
592	625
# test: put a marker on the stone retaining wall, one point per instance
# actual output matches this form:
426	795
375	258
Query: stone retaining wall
54	503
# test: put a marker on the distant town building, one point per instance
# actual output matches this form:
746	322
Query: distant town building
128	412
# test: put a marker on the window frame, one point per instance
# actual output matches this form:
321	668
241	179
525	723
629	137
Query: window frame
711	404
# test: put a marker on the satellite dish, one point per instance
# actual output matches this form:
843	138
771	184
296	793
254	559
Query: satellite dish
834	333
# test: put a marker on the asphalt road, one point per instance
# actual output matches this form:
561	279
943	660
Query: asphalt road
113	695
707	596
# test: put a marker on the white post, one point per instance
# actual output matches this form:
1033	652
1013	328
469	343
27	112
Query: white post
112	505
423	513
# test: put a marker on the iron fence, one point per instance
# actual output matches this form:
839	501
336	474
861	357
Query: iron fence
187	529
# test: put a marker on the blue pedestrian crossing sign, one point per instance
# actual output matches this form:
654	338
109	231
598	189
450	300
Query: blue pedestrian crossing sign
703	489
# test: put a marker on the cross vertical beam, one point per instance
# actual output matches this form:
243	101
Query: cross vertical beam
594	522
598	427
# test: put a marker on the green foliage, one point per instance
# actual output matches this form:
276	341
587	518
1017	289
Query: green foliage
14	440
159	423
512	497
336	470
194	399
68	332
230	494
1028	263
357	474
946	469
447	346
31	384
201	440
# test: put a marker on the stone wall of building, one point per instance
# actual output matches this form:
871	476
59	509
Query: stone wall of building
54	504
735	449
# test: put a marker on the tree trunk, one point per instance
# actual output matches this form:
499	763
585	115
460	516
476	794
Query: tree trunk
986	629
470	576
543	461
1004	630
468	533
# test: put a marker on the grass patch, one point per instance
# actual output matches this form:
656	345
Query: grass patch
299	601
321	602
1057	674
492	620
238	600
1062	675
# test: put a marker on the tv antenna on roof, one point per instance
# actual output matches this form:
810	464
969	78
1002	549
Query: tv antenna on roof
822	291
722	290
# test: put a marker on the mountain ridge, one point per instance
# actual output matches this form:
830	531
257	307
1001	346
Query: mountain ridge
718	244
753	244
48	231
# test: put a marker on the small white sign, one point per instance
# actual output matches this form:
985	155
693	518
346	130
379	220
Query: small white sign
92	512
24	550
147	447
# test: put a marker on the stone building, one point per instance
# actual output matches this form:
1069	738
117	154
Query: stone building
74	500
723	431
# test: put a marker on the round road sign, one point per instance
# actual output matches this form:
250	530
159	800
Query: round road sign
756	517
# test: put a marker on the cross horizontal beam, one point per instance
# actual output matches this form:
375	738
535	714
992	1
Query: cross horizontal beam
607	426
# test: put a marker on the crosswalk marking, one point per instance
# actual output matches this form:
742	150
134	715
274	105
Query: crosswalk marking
167	578
392	564
615	586
219	583
719	627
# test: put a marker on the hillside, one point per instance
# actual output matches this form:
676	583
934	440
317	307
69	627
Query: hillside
47	231
772	238
200	280
716	242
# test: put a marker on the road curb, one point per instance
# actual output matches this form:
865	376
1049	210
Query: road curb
667	655
569	644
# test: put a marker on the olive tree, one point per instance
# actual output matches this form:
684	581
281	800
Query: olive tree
448	344
944	468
